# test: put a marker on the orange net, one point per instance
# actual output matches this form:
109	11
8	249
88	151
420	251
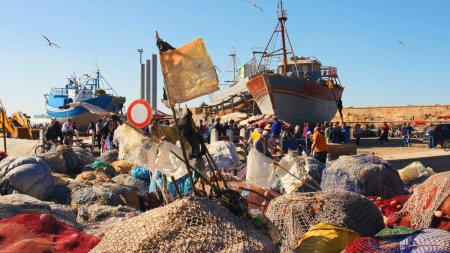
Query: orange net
428	197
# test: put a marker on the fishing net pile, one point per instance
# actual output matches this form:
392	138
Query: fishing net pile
109	156
63	159
294	214
403	239
364	174
428	204
28	175
14	204
42	233
192	224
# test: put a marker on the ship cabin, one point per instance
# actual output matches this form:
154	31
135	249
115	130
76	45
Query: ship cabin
311	69
73	92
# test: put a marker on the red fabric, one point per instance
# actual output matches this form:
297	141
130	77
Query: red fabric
385	128
444	116
418	122
42	233
261	124
390	206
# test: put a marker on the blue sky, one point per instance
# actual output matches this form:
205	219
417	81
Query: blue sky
358	37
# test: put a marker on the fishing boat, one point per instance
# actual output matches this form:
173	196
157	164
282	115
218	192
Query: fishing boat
83	99
300	89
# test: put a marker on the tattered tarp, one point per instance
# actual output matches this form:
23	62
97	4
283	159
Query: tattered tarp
188	72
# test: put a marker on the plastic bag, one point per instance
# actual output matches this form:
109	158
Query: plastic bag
260	169
291	163
414	171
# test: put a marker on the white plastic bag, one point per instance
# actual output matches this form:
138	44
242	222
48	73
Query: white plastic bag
168	163
291	163
414	171
260	169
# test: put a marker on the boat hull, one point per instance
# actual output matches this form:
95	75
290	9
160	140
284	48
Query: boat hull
294	99
81	115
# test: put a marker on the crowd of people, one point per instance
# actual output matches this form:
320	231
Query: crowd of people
274	137
102	132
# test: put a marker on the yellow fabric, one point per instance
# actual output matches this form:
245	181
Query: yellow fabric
325	238
188	72
255	135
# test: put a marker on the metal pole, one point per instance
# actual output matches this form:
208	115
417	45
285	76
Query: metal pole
154	82
4	130
147	81
142	91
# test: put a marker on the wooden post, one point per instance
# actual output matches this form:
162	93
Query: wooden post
183	148
177	190
232	104
222	178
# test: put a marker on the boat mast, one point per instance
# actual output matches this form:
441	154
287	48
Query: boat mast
233	56
234	65
282	18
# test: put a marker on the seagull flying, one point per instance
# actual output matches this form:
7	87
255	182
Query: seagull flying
403	43
50	43
254	5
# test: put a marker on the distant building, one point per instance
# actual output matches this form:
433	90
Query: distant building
40	119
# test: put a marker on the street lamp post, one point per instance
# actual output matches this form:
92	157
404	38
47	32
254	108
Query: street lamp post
140	50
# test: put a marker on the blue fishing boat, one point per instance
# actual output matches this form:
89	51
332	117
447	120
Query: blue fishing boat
83	99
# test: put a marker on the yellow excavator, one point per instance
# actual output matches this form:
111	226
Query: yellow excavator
18	125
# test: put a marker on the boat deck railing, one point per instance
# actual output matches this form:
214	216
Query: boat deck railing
59	91
328	71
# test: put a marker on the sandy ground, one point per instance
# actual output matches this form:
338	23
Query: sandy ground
393	149
18	147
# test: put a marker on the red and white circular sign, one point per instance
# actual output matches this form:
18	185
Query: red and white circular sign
139	113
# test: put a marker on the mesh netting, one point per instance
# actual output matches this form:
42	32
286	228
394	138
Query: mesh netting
63	159
363	174
191	224
425	241
122	166
133	145
294	214
109	156
426	199
42	233
84	157
93	176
